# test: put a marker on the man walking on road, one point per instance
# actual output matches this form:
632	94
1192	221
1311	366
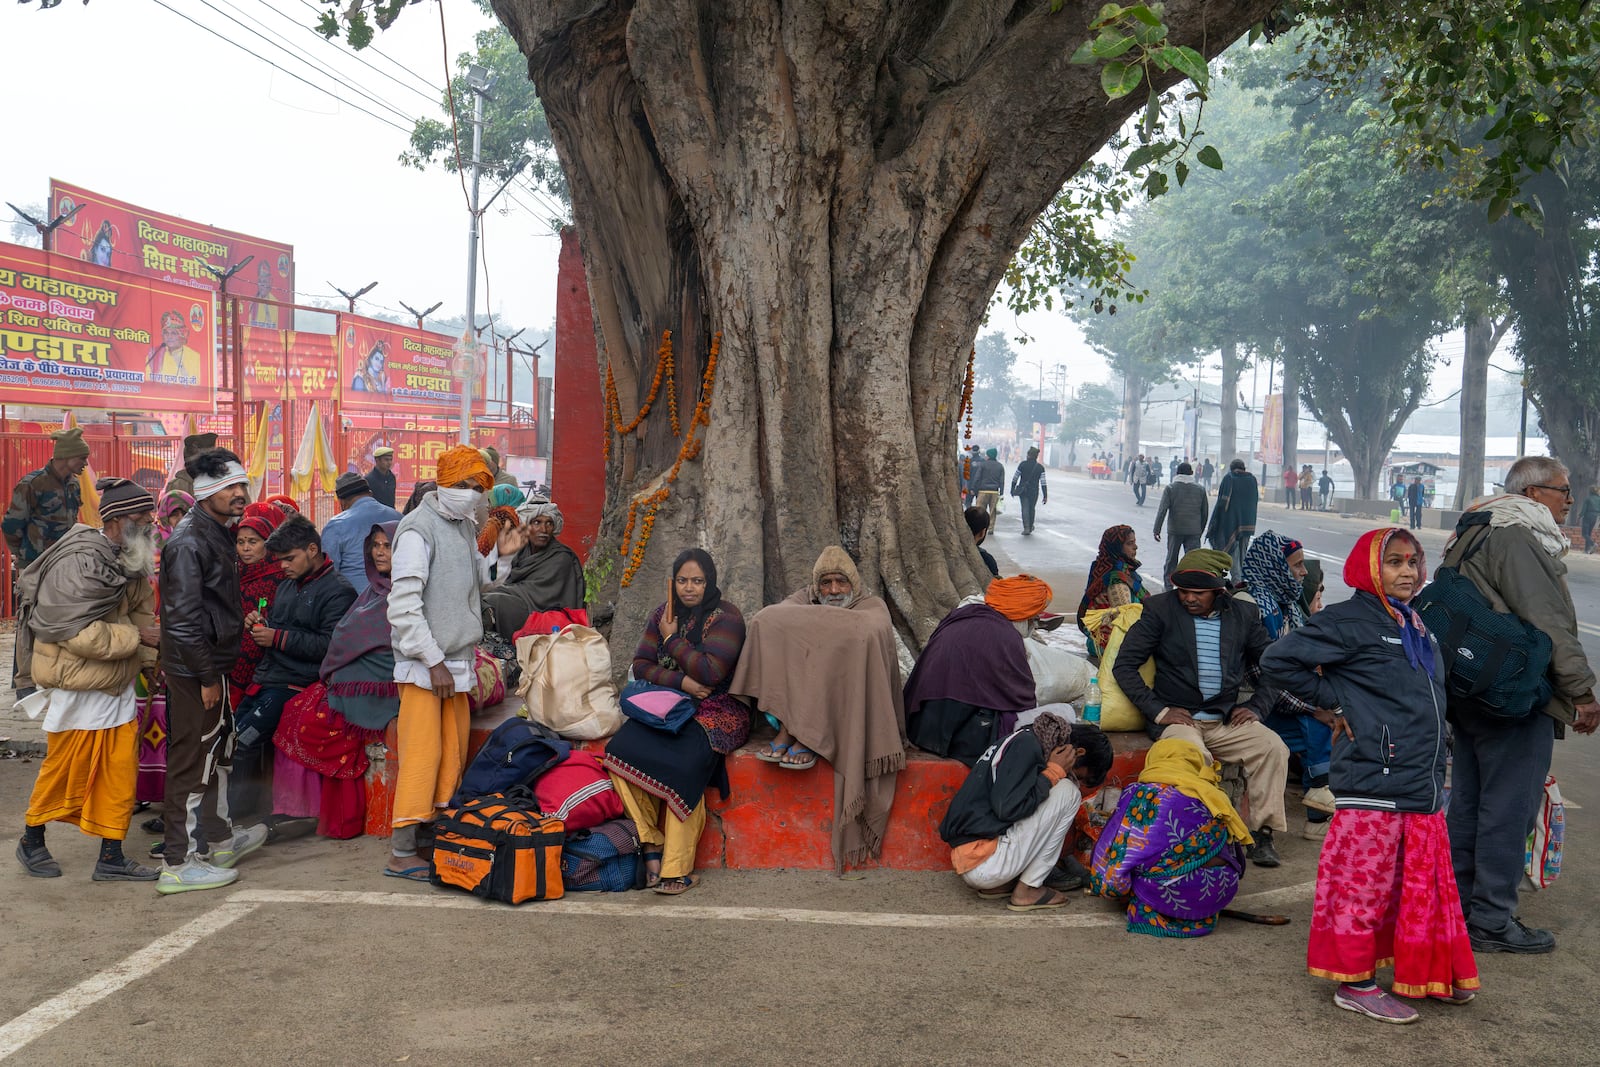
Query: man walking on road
1028	486
1415	495
1325	488
1510	547
988	480
1141	479
1183	508
1233	519
202	624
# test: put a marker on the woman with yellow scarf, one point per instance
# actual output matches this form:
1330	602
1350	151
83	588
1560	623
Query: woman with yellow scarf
1174	848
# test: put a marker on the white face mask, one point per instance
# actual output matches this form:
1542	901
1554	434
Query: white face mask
459	503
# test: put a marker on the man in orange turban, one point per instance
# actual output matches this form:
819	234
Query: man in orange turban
973	678
463	464
1019	599
436	619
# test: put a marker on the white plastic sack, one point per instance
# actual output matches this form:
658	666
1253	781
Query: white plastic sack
1059	676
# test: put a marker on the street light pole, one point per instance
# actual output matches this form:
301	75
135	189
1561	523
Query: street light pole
479	81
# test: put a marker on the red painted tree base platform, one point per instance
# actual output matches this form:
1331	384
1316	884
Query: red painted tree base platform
781	818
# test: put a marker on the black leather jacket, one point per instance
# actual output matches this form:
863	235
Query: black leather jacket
1395	711
202	621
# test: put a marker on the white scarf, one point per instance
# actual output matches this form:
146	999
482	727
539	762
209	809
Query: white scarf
1514	509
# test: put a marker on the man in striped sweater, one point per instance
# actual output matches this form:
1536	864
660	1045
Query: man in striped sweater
1206	644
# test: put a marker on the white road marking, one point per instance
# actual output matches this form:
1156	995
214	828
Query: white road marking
1589	628
1289	894
1000	918
41	1019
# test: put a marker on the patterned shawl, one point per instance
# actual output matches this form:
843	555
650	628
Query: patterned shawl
1111	562
1273	586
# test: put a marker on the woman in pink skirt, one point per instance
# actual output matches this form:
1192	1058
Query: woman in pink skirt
1386	895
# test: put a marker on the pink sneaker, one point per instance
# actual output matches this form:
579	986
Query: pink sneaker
1375	1003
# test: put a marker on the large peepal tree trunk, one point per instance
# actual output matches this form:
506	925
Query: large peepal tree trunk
833	189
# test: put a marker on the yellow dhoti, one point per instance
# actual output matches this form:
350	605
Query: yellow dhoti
88	777
433	753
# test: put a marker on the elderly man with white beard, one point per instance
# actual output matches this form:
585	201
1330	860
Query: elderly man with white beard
86	629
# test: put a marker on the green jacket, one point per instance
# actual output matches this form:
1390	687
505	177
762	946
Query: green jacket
43	509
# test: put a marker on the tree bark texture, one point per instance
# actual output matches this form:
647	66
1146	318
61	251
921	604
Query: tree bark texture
835	188
1483	335
1550	289
1133	390
1229	431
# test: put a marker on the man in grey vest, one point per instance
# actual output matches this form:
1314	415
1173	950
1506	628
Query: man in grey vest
435	616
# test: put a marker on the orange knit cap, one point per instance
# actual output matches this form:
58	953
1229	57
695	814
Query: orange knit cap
464	463
1020	598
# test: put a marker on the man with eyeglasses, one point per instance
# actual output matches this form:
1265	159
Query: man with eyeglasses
1511	547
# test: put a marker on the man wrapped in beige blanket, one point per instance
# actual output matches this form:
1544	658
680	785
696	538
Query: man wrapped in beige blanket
823	663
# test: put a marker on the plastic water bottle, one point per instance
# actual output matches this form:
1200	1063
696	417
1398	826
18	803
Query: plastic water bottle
1091	705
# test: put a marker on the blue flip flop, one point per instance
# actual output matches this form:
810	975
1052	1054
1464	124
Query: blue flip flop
418	873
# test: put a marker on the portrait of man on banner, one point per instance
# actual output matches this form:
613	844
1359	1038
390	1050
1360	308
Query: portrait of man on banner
173	360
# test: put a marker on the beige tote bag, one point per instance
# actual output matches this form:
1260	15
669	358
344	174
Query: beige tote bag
566	683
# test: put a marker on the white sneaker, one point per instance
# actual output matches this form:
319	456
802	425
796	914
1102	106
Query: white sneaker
1320	799
244	841
1316	831
195	873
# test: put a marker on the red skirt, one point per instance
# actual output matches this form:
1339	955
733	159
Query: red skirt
316	737
1386	895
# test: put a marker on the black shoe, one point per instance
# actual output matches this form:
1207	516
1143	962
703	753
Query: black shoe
37	861
1262	854
154	825
1514	938
1067	876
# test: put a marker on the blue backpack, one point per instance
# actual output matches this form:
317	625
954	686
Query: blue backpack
517	753
1495	663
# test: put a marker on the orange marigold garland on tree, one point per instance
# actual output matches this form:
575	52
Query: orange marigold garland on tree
652	501
613	406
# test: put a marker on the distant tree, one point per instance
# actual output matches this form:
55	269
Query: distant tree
516	133
1086	415
23	231
997	395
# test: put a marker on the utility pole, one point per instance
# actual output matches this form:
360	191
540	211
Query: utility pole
480	81
1522	428
352	297
46	229
236	364
421	314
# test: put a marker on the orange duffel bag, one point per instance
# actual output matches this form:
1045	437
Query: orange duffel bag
499	847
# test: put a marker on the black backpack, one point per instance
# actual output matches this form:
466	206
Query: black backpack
1496	663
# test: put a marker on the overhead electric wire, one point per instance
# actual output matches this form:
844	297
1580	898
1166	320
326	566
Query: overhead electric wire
275	66
432	98
375	50
301	57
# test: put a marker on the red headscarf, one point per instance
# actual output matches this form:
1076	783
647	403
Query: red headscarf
261	517
1363	570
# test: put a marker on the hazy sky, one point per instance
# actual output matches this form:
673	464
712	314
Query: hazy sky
134	101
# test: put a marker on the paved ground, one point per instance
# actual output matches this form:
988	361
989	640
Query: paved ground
314	958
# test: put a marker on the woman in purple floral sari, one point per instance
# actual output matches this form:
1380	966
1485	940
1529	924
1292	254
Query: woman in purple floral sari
1173	849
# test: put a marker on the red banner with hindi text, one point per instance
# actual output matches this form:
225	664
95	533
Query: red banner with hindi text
76	335
114	233
387	367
